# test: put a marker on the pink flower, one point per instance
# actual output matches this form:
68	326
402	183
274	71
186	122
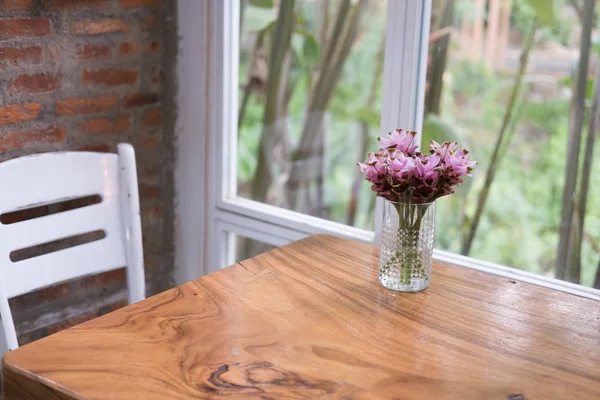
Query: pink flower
398	172
375	168
456	161
443	149
426	168
400	140
400	165
459	162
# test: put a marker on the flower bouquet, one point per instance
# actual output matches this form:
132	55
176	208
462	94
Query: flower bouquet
410	182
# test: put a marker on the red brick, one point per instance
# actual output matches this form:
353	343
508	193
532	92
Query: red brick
149	22
112	277
19	112
110	77
154	46
129	49
55	292
24	27
151	142
97	27
148	171
148	192
137	3
16	54
23	139
34	83
16	5
85	105
152	214
152	117
96	148
105	125
94	52
117	305
140	99
71	323
157	77
74	4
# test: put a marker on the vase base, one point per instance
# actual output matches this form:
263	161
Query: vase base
393	283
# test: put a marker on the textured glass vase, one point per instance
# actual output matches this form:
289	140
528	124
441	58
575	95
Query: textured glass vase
407	235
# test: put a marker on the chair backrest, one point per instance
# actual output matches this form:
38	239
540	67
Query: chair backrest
49	178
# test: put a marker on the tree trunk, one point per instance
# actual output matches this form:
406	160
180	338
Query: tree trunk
500	142
585	178
597	280
249	85
491	36
504	32
364	128
478	29
280	45
312	132
562	268
438	62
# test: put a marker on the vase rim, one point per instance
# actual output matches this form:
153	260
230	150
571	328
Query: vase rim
410	204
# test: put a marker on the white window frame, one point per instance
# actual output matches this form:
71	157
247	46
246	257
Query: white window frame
209	211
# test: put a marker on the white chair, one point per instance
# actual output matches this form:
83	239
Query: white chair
49	178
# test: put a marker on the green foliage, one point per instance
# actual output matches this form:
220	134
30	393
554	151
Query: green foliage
544	10
520	224
555	24
306	49
262	3
257	18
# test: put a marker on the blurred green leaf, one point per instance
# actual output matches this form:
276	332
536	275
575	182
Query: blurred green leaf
262	3
310	49
589	90
258	18
367	116
544	10
305	48
297	45
436	129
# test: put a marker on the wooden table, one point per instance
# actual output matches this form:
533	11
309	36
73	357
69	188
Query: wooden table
310	320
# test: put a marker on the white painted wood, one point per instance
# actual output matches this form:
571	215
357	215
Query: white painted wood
404	73
60	266
73	222
49	178
406	37
228	226
193	179
302	223
222	85
131	233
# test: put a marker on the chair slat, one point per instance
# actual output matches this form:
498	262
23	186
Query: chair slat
51	177
103	216
75	262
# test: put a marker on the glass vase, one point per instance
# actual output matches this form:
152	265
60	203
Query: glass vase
407	234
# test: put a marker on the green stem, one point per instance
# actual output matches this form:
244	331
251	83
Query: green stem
407	257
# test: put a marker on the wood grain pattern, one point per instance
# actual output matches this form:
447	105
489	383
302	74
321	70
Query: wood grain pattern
310	320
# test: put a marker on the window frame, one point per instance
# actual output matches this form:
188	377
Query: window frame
217	209
403	41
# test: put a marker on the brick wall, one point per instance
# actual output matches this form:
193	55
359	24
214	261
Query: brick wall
86	75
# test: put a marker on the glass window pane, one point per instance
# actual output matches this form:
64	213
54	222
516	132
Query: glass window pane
530	219
310	103
245	248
